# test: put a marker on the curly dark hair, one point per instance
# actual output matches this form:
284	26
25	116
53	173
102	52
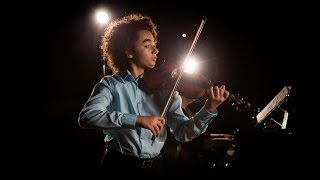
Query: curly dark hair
119	37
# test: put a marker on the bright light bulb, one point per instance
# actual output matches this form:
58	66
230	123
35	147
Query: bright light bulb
190	66
102	17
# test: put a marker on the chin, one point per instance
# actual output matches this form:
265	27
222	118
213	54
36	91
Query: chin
152	66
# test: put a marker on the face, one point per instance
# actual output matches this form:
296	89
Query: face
144	53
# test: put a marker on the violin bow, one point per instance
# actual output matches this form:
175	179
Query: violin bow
181	72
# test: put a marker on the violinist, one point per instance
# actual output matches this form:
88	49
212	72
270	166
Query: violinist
128	111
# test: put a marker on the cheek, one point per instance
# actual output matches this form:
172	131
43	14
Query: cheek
143	53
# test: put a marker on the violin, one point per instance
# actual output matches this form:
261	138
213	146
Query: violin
195	86
191	86
187	86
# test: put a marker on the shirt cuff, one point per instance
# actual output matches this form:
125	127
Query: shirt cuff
129	120
213	112
205	114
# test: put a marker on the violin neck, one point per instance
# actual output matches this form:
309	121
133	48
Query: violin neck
239	103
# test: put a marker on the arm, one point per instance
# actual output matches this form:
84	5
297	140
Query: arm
184	128
105	109
102	110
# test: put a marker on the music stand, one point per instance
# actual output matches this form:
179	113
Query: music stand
270	109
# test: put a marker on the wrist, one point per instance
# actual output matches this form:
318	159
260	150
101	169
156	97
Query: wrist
210	110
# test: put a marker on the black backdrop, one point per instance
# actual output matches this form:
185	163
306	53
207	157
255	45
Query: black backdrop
251	48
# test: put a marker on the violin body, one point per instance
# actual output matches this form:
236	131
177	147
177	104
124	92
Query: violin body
191	86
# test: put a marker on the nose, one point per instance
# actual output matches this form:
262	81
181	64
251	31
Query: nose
156	50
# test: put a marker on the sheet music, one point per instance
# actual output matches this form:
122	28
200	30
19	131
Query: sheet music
274	103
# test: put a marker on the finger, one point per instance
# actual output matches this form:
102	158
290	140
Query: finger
157	129
160	126
153	132
211	91
226	94
163	121
215	91
223	92
222	89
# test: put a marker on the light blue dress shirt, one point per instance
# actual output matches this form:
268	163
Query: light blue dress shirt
118	99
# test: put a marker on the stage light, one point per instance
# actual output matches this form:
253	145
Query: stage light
102	17
190	65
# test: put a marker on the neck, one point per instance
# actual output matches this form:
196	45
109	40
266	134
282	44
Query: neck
136	71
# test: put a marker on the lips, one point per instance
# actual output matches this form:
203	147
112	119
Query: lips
154	59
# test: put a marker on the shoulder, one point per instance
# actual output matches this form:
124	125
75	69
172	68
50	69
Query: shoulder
111	79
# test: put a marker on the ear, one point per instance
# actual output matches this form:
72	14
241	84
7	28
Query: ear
129	54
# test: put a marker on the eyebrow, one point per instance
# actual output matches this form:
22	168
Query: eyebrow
147	40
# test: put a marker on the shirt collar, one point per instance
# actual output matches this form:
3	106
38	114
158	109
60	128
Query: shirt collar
128	76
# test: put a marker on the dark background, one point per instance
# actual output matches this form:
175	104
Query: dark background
251	48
